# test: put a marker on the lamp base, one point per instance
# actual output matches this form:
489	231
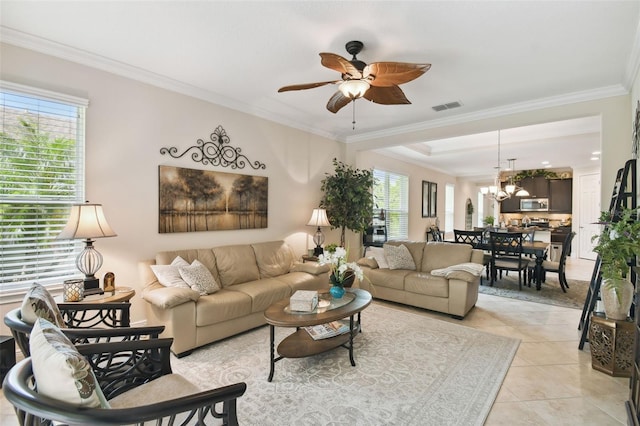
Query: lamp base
92	286
317	251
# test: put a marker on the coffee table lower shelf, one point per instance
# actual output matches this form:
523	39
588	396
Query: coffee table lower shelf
300	344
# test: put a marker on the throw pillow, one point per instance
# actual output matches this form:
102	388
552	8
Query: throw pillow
198	277
169	275
60	371
399	257
378	255
368	262
38	303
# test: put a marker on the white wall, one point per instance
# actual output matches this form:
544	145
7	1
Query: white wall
127	124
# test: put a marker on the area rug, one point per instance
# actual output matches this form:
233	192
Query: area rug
550	293
410	370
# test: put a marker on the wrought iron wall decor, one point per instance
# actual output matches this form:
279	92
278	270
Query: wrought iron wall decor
216	152
203	200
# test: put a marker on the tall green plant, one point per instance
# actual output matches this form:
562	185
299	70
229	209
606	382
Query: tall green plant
348	198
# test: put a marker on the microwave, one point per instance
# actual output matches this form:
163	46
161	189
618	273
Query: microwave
534	204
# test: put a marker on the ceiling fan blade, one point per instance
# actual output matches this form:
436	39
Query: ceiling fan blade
340	64
388	95
306	86
393	73
337	101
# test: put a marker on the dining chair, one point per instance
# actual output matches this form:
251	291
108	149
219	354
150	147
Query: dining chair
475	239
506	255
436	234
559	266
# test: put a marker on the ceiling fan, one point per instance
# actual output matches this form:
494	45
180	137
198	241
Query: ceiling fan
377	82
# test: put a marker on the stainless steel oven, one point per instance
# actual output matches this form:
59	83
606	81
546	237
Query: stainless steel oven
534	204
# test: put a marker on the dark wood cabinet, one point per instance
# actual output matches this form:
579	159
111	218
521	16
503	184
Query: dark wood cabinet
560	195
510	205
538	187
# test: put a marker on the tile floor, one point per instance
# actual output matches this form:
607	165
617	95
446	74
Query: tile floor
550	381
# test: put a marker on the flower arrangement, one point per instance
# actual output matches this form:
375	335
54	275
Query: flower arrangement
341	270
617	244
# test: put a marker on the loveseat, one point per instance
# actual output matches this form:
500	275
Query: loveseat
246	280
438	276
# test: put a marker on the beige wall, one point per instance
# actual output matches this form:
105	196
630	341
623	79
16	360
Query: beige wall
127	124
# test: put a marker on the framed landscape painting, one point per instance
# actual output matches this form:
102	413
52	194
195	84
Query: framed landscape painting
201	200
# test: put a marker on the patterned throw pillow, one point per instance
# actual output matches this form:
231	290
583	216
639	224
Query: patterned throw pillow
198	277
38	303
399	257
169	275
60	371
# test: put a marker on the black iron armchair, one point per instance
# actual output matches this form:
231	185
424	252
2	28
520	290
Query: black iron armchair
86	323
122	368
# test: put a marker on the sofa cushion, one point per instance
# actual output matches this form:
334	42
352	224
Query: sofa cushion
164	388
273	258
264	292
222	306
168	297
205	256
387	278
399	257
378	254
427	284
198	277
38	303
236	264
438	255
304	281
60	371
169	275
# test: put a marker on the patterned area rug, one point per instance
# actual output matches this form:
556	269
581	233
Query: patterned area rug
550	293
411	370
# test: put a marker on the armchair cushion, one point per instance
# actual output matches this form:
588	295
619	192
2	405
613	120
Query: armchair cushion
169	275
60	371
399	257
164	388
38	303
198	277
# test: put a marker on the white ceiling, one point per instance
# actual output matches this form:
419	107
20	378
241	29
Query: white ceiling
491	56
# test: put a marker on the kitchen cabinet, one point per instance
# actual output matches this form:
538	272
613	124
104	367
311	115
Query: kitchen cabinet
538	187
560	195
510	205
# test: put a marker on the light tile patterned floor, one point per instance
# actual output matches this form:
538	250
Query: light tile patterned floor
550	381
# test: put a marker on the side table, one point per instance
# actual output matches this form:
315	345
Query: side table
611	343
7	355
97	310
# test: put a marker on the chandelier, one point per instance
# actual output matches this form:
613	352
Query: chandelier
496	191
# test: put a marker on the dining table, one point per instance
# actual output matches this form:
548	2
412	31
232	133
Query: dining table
536	248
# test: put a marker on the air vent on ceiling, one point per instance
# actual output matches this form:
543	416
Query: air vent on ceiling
449	105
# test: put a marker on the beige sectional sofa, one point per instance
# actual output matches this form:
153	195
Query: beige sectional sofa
445	279
251	277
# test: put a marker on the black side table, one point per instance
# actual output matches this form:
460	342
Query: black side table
7	355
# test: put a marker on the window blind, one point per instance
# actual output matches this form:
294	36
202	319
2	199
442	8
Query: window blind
41	176
391	193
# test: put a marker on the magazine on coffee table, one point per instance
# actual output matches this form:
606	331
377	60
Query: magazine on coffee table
325	331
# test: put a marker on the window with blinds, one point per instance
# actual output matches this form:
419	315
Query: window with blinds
391	193
41	176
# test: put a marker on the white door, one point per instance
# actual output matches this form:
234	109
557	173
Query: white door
589	214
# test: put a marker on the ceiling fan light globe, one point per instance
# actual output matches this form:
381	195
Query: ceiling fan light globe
522	193
354	89
484	190
493	189
510	188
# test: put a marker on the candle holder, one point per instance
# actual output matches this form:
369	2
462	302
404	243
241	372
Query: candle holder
73	290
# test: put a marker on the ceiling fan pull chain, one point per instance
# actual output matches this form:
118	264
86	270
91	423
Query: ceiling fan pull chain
354	115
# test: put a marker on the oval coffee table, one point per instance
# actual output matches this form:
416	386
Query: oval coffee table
300	344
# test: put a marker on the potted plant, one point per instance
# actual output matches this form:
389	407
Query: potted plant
617	245
488	220
348	198
342	273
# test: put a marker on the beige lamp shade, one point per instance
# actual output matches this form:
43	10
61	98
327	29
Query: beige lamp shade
86	221
319	218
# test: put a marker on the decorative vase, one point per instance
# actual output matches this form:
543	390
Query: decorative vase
617	299
336	291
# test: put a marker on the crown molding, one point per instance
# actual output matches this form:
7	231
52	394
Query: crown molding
536	104
58	50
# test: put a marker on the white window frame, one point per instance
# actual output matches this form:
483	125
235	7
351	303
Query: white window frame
400	212
449	207
52	261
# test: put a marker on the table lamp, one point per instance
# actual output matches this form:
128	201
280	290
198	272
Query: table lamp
87	221
319	219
